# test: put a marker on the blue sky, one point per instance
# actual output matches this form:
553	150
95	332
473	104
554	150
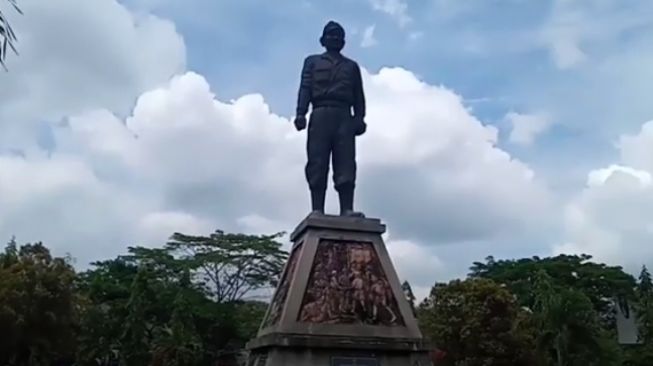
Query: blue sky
504	127
492	53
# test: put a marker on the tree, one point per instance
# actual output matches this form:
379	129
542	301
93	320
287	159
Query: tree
178	343
153	305
228	266
645	286
248	316
105	290
38	306
135	314
569	331
143	321
476	322
642	354
605	286
644	307
7	36
181	305
638	355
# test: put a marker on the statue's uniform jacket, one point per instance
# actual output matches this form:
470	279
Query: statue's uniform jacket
332	84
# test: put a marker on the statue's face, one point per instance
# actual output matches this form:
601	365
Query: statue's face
333	40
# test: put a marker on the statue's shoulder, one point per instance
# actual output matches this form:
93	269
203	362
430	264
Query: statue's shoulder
312	58
349	61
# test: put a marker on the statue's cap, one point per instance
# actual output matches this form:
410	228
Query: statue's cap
332	26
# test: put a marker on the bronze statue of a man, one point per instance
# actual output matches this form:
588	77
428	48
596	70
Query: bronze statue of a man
331	83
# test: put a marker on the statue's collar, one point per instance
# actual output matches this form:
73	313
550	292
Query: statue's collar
333	57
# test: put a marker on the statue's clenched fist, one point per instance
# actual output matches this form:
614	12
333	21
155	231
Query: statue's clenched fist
300	123
359	126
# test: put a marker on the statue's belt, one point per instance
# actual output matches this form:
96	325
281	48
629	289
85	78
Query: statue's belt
330	103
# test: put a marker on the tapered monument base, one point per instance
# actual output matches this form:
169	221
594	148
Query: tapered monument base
339	302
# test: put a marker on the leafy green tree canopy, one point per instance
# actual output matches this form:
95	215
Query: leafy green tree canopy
228	266
38	313
569	330
476	322
644	307
605	286
180	305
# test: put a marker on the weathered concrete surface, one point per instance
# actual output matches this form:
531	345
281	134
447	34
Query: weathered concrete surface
338	223
368	285
326	357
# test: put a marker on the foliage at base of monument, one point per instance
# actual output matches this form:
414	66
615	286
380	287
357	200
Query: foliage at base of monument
148	307
644	307
478	323
183	305
642	354
569	331
568	307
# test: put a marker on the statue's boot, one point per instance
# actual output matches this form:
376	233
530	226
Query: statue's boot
346	196
317	201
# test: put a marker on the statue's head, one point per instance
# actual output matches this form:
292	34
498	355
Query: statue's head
333	37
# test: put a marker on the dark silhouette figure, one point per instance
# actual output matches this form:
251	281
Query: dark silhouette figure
331	83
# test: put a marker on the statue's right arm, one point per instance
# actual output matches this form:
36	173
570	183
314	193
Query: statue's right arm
304	97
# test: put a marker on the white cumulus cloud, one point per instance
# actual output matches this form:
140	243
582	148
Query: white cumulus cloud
611	218
526	127
430	165
77	55
186	161
417	264
142	149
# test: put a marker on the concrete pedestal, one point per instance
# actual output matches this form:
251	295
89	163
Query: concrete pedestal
339	302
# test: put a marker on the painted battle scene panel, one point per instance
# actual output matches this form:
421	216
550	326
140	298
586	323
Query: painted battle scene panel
279	299
347	285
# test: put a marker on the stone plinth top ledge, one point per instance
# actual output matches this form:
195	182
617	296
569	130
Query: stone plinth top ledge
321	341
332	222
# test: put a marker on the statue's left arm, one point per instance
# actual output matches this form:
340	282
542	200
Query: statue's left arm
305	85
359	95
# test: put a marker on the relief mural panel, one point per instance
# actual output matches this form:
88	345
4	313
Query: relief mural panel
347	285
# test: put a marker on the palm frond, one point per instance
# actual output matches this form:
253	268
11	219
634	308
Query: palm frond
7	35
